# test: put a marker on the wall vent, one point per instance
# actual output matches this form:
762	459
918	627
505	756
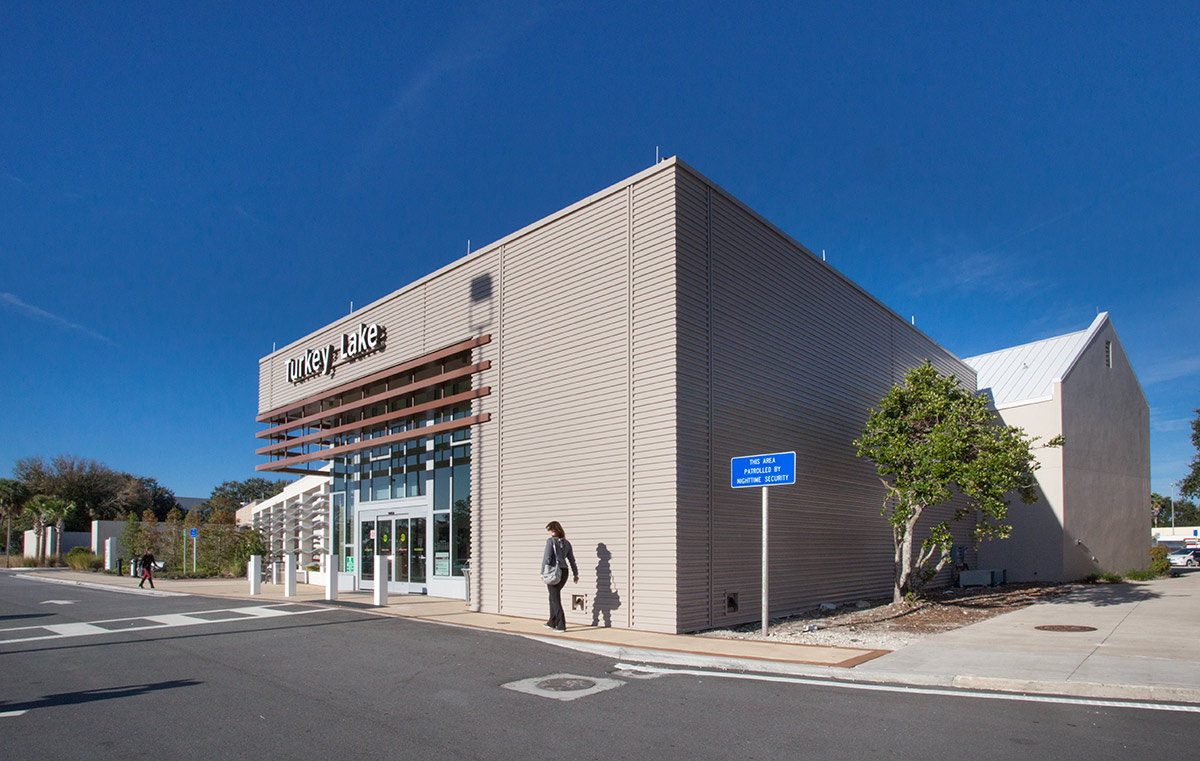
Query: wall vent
731	602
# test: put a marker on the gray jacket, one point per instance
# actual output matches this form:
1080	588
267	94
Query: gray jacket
558	552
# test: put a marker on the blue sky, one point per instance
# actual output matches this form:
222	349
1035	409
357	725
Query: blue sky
182	185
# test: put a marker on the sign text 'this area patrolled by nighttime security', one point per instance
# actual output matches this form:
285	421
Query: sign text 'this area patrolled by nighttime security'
364	339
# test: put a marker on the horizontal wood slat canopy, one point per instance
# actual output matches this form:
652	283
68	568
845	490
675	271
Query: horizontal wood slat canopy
306	432
324	435
416	433
331	412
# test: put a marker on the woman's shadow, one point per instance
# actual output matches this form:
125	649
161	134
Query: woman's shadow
606	600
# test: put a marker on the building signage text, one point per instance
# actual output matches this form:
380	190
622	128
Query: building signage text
777	469
320	361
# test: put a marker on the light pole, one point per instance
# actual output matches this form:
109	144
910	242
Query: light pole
1174	495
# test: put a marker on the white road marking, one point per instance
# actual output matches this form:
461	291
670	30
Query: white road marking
157	622
871	687
8	714
74	630
58	602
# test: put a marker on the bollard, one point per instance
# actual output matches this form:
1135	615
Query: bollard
289	576
331	578
381	583
254	574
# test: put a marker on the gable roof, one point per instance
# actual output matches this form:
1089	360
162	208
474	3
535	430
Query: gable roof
1027	373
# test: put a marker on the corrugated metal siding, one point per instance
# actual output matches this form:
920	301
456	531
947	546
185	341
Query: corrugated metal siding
694	409
798	355
463	303
398	313
652	603
563	409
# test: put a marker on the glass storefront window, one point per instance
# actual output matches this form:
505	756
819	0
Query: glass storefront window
441	544
461	535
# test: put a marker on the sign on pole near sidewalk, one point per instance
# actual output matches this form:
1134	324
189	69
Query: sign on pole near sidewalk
763	470
778	469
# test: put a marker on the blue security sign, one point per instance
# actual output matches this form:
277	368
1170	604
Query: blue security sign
778	469
192	532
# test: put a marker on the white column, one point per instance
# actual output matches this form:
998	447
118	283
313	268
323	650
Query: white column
254	574
110	554
331	571
289	575
381	583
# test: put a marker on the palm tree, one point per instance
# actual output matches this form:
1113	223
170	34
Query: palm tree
48	509
13	495
37	507
60	512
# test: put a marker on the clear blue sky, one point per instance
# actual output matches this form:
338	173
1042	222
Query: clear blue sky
183	184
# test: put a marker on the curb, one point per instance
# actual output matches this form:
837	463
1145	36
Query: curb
833	674
1123	692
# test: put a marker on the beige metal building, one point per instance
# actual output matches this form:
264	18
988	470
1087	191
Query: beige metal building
600	367
1093	514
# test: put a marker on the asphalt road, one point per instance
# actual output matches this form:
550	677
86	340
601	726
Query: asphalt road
94	673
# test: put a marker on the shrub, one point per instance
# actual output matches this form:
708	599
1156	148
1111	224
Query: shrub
81	559
1159	565
1137	575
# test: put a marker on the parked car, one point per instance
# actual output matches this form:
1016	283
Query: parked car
1186	556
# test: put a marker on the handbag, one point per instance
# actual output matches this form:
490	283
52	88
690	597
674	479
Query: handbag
550	574
550	571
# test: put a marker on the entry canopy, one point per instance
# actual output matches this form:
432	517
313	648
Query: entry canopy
776	469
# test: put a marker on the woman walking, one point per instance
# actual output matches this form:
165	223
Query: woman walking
147	564
558	554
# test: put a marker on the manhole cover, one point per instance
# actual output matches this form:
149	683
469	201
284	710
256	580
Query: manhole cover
1065	628
563	686
566	684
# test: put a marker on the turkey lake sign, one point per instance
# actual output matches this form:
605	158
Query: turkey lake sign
777	469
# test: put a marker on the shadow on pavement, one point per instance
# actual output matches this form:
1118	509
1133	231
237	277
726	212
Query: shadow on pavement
89	696
24	615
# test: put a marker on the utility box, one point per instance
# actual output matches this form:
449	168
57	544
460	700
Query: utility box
987	578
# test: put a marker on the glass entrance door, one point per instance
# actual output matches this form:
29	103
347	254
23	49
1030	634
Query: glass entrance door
401	539
408	564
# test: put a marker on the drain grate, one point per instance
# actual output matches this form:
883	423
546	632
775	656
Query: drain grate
1064	628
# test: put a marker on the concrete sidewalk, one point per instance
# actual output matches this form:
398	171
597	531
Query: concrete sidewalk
1138	640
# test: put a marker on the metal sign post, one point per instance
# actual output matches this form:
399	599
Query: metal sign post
194	532
764	470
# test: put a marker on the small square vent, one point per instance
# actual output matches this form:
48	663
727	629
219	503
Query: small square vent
731	602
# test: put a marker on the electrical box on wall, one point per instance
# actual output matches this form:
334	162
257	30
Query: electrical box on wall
731	602
579	602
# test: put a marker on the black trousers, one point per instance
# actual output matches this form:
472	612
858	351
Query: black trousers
558	619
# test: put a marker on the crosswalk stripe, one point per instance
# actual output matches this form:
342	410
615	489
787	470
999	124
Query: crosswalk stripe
157	622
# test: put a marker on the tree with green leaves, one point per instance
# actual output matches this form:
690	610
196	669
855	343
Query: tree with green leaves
230	495
1190	485
49	510
13	495
929	439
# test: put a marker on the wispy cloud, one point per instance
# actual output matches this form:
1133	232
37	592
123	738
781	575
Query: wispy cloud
15	304
1169	370
237	208
972	273
489	29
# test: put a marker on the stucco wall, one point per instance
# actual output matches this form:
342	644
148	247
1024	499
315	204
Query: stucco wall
1106	462
1034	551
